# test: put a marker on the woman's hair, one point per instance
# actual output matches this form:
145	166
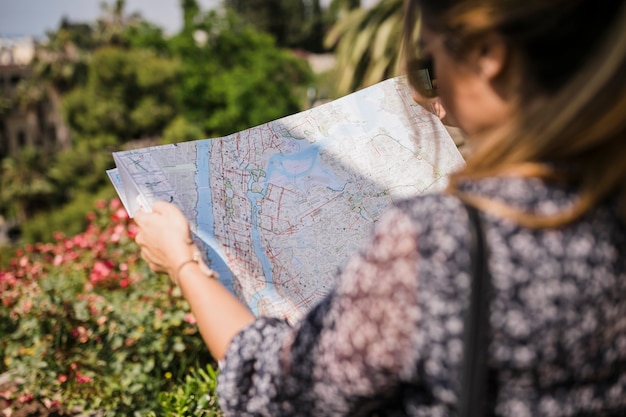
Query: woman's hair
570	59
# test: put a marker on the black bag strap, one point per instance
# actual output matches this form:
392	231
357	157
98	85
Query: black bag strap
473	398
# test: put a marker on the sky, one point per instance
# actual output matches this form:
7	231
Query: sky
34	17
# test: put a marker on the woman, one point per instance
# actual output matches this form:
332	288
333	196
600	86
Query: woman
539	88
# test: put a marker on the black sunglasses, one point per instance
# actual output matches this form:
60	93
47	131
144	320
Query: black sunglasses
422	76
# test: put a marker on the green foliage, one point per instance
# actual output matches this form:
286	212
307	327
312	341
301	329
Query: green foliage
234	77
7	105
120	80
293	24
69	217
82	166
69	184
194	397
24	186
145	35
367	44
85	323
181	130
191	9
128	95
61	62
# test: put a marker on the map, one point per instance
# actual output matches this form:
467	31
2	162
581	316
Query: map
280	207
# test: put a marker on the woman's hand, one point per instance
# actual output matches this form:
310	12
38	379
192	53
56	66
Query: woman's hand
164	237
434	106
166	245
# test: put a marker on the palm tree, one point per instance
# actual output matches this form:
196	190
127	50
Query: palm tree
367	43
337	7
113	25
293	24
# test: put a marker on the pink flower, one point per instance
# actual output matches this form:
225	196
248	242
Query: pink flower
101	271
190	318
81	334
6	394
82	379
79	240
133	229
27	306
51	403
61	378
8	277
115	204
23	261
117	232
119	214
36	269
44	247
25	398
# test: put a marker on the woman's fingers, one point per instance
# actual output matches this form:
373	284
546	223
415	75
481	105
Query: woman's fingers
164	236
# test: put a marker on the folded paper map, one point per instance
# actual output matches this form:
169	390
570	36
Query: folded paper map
280	207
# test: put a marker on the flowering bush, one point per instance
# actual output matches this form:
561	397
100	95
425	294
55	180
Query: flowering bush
84	322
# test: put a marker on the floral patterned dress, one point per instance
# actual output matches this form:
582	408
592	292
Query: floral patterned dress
387	340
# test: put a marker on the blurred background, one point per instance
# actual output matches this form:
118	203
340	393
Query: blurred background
80	79
86	329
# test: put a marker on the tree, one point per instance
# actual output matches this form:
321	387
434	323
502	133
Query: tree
112	25
293	24
233	76
367	44
24	186
128	94
338	8
121	80
109	96
191	9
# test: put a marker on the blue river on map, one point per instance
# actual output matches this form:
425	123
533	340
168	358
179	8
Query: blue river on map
205	220
291	167
294	168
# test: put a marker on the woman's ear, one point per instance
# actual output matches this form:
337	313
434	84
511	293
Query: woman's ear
492	55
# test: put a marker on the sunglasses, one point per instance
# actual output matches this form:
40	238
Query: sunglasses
421	75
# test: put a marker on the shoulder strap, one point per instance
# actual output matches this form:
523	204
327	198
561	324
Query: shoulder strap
472	401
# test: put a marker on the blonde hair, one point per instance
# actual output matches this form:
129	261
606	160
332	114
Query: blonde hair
575	121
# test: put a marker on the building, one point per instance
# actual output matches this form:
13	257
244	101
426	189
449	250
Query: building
40	125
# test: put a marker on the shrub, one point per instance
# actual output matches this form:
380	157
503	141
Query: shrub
70	218
84	323
194	397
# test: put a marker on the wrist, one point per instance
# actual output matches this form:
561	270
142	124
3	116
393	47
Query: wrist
195	258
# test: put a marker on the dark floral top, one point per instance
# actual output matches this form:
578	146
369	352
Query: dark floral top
387	341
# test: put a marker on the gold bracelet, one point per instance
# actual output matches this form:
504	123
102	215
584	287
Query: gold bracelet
197	259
